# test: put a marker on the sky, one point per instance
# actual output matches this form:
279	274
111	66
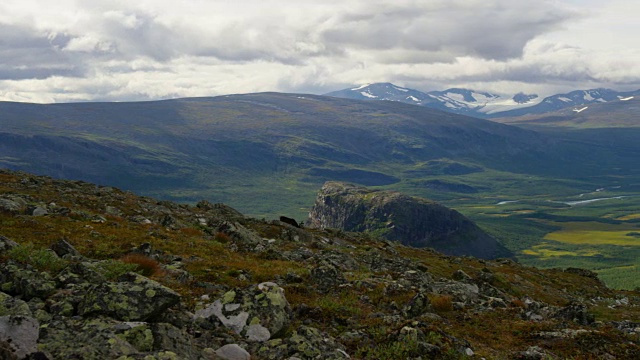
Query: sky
111	50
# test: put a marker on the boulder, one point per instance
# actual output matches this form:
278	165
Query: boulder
133	298
12	204
6	244
242	238
38	211
99	338
461	292
232	352
327	277
575	312
258	312
305	343
418	305
21	333
62	248
25	281
12	306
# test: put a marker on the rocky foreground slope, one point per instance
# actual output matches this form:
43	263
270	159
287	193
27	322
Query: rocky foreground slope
409	220
89	272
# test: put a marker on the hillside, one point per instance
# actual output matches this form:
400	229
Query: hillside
133	277
614	114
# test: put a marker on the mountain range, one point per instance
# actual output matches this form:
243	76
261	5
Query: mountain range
484	104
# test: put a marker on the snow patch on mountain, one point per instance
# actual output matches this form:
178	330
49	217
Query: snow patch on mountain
484	104
360	87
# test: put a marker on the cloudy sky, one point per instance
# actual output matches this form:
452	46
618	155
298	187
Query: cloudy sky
66	50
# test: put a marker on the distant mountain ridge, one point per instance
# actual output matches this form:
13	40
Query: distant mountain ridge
484	104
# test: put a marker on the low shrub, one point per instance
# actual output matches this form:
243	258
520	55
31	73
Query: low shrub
113	269
442	302
144	265
222	237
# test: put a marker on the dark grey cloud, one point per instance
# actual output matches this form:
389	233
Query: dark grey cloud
490	30
29	54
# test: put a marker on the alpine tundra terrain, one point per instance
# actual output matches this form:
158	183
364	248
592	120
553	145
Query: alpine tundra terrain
553	195
94	272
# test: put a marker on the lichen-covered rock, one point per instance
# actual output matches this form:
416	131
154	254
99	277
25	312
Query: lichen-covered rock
133	298
416	279
461	292
305	343
25	281
12	204
6	244
460	275
242	238
418	305
138	334
258	312
67	338
79	273
21	333
62	248
575	312
327	277
168	337
12	306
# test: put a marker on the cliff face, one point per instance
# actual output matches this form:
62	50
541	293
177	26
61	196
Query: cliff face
412	221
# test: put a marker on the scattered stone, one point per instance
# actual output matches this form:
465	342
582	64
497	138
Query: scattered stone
10	205
327	277
534	353
38	211
6	244
233	352
576	313
258	333
419	305
62	248
460	275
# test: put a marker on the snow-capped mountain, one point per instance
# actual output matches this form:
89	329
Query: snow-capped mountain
383	91
484	104
579	100
479	104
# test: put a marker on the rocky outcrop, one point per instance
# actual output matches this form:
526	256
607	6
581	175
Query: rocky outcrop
409	220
